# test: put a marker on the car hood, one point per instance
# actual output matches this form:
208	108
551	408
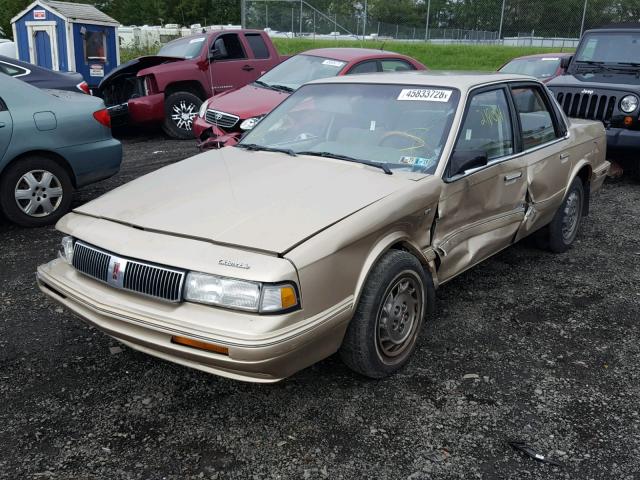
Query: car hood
248	101
134	66
261	201
617	81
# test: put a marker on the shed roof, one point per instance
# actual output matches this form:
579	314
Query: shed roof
75	12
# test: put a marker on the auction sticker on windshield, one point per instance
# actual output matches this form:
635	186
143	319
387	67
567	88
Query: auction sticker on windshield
425	94
333	63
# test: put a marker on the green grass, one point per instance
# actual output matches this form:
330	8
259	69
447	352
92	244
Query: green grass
435	57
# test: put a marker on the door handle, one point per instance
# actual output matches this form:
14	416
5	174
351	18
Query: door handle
248	68
512	176
564	157
2	124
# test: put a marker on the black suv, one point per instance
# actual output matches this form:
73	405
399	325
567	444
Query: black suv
603	83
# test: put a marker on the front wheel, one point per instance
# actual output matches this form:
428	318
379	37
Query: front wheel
35	191
181	109
385	327
563	229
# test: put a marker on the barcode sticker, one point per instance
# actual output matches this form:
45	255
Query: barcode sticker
333	63
425	95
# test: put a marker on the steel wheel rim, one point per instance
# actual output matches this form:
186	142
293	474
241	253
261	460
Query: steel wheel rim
571	216
38	193
399	315
183	114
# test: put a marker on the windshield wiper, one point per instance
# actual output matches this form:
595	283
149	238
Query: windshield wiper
282	87
630	64
594	63
346	158
254	147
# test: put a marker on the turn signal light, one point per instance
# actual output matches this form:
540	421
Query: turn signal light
628	121
190	342
288	297
103	117
84	87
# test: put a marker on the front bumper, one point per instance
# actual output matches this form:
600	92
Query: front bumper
213	137
148	325
623	139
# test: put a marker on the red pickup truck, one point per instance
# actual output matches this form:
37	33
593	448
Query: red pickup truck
167	89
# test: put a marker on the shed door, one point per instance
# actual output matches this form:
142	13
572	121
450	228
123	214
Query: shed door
43	45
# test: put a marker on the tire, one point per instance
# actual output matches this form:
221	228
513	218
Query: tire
563	229
363	349
45	188
181	109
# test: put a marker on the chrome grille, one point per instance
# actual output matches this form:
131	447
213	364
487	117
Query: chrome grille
132	275
221	119
591	107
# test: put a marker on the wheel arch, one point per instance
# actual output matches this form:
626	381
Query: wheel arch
393	241
584	171
59	159
191	86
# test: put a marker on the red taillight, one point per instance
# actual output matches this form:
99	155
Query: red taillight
103	117
84	87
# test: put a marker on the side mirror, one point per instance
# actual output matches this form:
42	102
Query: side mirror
215	54
565	61
461	161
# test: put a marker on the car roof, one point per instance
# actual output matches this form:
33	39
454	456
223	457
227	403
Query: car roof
544	55
461	80
17	62
616	26
347	54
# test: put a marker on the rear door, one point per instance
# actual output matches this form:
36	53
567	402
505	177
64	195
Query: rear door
263	58
545	147
480	210
6	127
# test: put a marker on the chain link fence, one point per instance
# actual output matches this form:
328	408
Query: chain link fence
546	23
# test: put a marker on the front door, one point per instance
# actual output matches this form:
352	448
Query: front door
6	126
230	67
481	209
43	46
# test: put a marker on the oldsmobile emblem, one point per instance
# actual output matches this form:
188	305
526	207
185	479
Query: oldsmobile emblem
115	274
233	263
587	92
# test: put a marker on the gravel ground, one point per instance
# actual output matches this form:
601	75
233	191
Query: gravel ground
529	345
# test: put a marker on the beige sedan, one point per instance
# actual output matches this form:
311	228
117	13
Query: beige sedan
329	227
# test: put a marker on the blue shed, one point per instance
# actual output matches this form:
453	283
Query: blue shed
67	36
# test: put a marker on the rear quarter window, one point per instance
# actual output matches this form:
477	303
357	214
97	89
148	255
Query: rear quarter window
257	44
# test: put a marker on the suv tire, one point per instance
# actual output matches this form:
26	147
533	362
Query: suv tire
180	109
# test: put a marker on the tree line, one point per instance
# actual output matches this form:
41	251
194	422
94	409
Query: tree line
560	18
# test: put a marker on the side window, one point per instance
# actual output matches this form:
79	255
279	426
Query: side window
370	66
396	65
487	126
95	46
536	120
256	42
11	70
229	47
3	106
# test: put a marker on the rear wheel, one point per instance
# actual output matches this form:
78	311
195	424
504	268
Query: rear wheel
563	229
35	191
181	109
383	332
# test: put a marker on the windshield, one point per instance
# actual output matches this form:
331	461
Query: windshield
541	67
300	69
188	47
399	127
610	47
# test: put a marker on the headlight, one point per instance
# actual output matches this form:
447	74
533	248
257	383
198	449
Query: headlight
203	109
249	123
66	249
629	104
239	294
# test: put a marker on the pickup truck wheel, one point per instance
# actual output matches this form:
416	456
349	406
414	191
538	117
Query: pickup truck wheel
384	329
181	109
35	191
563	229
